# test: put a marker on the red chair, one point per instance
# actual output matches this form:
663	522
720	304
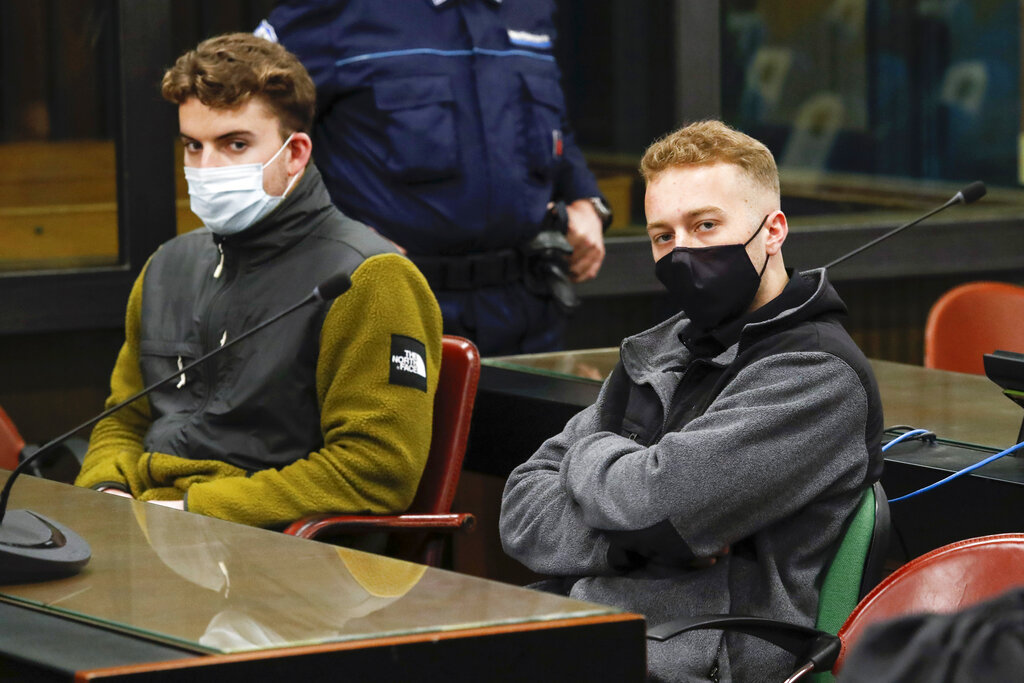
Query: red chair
60	464
11	443
424	527
945	580
971	320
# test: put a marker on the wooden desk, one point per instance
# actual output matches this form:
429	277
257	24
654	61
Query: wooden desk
957	406
170	595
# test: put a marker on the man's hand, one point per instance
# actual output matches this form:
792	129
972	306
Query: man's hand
703	562
586	237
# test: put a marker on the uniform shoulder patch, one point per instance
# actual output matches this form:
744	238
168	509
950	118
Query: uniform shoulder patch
408	362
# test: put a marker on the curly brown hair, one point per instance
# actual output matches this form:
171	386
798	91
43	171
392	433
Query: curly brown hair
227	71
707	142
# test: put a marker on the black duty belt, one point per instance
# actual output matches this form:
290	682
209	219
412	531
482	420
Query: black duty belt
472	271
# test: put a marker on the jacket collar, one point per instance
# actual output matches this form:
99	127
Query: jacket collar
658	349
292	220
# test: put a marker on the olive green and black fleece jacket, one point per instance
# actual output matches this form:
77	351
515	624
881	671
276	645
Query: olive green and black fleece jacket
327	410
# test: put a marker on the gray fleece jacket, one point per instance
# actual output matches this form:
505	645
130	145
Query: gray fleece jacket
772	466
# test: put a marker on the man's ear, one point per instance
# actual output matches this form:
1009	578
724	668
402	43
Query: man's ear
778	229
300	148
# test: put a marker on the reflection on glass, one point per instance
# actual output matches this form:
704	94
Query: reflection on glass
925	90
213	586
58	196
875	110
586	364
311	602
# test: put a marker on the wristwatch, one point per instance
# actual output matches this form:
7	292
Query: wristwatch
603	211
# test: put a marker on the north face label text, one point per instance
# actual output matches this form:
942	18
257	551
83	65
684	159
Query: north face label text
408	362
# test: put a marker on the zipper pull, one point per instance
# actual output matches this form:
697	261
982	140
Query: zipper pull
220	266
181	381
224	338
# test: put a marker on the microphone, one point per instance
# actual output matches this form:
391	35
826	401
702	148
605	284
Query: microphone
34	548
969	194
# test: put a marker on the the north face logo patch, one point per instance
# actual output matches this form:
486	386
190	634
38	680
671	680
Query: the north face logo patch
408	362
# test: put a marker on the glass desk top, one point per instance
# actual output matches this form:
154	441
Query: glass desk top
208	585
957	407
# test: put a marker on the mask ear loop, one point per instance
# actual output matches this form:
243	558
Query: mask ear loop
767	256
291	181
285	144
759	226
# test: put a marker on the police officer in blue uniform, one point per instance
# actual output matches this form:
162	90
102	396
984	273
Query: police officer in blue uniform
441	124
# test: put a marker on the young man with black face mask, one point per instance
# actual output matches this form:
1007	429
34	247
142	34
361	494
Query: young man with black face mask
731	443
328	410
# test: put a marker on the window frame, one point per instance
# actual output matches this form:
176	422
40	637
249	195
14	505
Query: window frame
94	297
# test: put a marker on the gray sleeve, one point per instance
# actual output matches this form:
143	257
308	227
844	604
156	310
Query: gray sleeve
785	430
540	525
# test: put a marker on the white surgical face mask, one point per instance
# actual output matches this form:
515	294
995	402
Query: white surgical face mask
228	199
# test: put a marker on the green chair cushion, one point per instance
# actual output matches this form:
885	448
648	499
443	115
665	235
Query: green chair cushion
841	590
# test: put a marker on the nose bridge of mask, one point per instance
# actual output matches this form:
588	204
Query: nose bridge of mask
234	178
240	177
228	199
698	250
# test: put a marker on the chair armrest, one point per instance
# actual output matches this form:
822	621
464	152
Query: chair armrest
61	464
317	525
808	644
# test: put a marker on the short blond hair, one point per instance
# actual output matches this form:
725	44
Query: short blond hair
708	142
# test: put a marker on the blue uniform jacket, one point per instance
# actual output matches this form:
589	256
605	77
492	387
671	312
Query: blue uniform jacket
443	126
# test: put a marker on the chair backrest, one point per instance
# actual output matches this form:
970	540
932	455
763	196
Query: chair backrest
453	409
855	569
944	580
11	443
971	320
857	565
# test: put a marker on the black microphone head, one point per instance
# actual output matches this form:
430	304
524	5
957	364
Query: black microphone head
973	192
334	286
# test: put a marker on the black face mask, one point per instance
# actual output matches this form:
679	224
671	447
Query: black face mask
711	284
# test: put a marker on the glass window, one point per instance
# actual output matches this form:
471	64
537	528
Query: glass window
926	91
58	191
877	111
874	107
185	219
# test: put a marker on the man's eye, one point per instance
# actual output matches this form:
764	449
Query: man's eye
193	146
705	226
663	238
237	145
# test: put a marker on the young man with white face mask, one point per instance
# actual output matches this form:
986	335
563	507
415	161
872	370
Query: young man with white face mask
320	412
731	443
